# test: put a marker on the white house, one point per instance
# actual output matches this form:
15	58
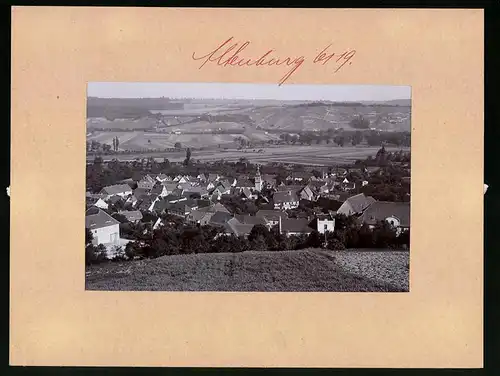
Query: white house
105	229
325	223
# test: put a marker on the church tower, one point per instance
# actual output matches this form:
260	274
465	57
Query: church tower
258	180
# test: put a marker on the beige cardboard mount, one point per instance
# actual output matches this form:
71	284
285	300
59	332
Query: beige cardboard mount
54	321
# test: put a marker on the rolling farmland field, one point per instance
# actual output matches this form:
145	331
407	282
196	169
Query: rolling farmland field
215	129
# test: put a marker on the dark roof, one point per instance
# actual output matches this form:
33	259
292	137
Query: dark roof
283	188
295	225
147	184
380	210
173	197
176	192
272	215
246	192
162	177
287	196
97	218
317	183
324	216
203	203
212	176
157	189
268	178
225	184
219	218
116	189
190	203
114	199
360	202
197	215
161	205
199	190
244	183
300	175
146	201
307	190
131	215
140	192
91	200
235	227
250	219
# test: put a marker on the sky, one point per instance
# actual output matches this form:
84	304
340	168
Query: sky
248	91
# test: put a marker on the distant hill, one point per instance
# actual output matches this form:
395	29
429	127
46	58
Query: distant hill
394	102
273	116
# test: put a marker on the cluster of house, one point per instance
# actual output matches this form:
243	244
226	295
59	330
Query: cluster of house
197	200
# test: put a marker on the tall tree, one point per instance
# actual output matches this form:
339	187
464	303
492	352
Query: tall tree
188	157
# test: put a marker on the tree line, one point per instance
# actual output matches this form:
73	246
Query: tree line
177	237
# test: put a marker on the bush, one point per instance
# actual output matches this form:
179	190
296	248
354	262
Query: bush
335	245
95	255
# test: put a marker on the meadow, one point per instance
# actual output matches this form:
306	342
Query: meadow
304	270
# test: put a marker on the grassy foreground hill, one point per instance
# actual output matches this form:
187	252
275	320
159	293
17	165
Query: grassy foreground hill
304	270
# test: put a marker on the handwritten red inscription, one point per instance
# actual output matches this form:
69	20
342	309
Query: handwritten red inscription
230	54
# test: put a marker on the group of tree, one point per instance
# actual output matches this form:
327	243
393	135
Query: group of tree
341	137
177	237
94	254
116	143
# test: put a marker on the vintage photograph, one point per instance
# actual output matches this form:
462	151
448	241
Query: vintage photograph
247	187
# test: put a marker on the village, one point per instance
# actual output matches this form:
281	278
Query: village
294	202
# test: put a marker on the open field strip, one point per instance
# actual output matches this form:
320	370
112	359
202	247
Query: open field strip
299	154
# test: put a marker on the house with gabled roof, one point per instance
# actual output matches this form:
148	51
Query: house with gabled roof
218	207
160	190
122	190
247	194
182	208
201	191
105	229
355	204
97	202
300	176
272	217
146	184
236	228
269	180
294	226
243	183
285	200
163	178
131	215
224	187
251	219
146	203
220	218
202	177
397	214
213	177
307	193
199	217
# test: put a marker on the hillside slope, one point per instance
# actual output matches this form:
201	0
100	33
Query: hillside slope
306	270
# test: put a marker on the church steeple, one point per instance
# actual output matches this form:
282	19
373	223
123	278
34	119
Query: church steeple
258	180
